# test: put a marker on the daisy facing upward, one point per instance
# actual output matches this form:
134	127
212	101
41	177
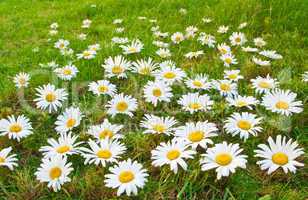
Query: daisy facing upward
105	130
157	91
158	125
122	104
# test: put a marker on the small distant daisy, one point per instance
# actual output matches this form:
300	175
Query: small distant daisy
225	87
242	101
106	130
271	54
194	54
144	67
163	53
261	62
207	39
106	151
54	171
161	34
233	75
197	134
160	44
223	48
190	32
53	32
183	11
122	104
62	44
15	127
157	91
228	59
225	158
194	102
64	146
82	36
54	25
86	23
172	153
305	76
49	97
67	72
282	102
67	52
94	47
68	120
177	37
264	85
259	42
21	80
170	74
119	40
135	47
87	54
250	49
127	176
116	67
117	21
102	87
223	29
243	124
207	20
6	160
279	154
242	25
119	30
158	125
199	82
237	39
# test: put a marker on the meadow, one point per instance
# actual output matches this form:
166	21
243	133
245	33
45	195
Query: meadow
27	46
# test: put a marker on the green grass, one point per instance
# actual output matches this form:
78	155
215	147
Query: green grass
24	26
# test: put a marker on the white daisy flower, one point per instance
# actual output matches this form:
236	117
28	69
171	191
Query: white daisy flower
117	21
67	52
194	102
207	20
155	28
250	49
200	82
228	59
127	176
264	85
170	74
261	62
160	44
53	32
61	44
68	120
54	25
242	101
135	47
177	37
243	124
225	87
54	171
159	34
223	29
183	11
86	54
242	25
67	72
157	91
6	160
197	134
119	40
158	125
194	54
119	30
279	154
282	102
305	76
259	42
94	47
116	67
15	128
223	48
82	36
207	39
191	32
237	39
64	146
225	158
49	97
163	52
106	130
271	54
233	75
106	151
102	87
122	104
172	153
21	80
86	23
144	67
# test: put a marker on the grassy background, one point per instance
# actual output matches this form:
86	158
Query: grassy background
24	26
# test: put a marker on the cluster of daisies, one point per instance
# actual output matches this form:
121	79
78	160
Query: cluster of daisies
184	140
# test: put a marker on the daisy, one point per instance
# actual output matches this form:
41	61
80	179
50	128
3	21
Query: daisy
183	11
102	87
82	36
160	44
135	47
191	32
243	124
157	91
119	40
170	74
64	146
223	29
207	20
21	80
177	37
68	120
207	39
250	49
225	87
197	134
119	30
305	76
155	28
158	125
282	102
6	160
107	151
233	75
264	85
49	97
62	44
53	32
194	54
116	67
200	82
67	72
122	104
242	25
224	49
237	39
117	21
228	59
261	62
54	171
67	52
193	102
15	128
161	34
127	176
86	23
224	157
106	130
279	153
163	52
259	42
94	47
54	25
144	67
242	101
270	54
87	54
172	153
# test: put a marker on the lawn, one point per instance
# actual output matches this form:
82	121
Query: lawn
25	44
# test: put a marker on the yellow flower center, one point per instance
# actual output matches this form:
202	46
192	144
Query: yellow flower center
169	75
145	71
67	71
223	159
241	103
63	149
50	97
223	51
126	176
197	83
86	54
132	50
2	160
61	46
70	123
22	81
280	158
105	133
244	125
122	106
238	39
195	106
173	154
232	76
104	154
55	173
196	136
282	105
103	89
178	38
157	92
228	60
225	87
117	70
160	128
15	128
264	84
